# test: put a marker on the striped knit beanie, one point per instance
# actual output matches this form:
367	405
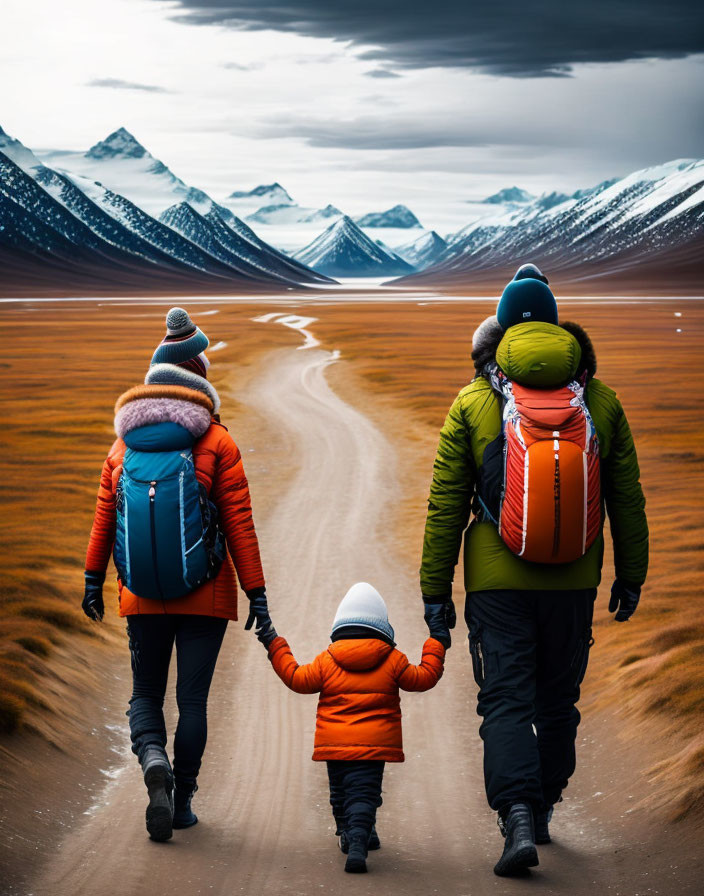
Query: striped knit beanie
183	344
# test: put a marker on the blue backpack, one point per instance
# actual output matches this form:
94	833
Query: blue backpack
167	541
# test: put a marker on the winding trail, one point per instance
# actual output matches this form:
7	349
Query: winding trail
265	823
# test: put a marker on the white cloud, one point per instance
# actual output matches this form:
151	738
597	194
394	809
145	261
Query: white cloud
245	108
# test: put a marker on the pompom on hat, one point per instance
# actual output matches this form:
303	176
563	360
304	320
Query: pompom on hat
180	360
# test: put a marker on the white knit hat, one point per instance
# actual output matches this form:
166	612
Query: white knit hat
364	607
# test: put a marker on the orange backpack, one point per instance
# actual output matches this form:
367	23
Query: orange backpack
546	493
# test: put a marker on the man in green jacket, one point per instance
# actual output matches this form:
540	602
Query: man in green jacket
529	623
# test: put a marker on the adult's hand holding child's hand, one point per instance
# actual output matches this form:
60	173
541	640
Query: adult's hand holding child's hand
440	616
259	613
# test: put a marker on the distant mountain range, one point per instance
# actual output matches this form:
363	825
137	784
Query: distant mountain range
344	250
116	218
64	232
647	227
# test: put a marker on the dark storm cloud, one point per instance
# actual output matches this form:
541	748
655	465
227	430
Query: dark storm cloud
119	84
506	37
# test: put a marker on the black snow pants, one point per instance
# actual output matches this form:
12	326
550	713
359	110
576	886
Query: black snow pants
529	655
355	794
198	640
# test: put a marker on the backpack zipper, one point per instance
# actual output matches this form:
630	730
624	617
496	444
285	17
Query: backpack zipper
152	527
556	496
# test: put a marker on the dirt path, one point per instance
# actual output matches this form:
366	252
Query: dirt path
265	822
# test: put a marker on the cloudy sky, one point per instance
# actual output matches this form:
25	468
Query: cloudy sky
367	103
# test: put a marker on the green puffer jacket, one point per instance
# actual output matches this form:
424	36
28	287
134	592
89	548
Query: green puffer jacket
533	354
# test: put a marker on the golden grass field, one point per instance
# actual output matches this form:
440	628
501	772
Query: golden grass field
64	365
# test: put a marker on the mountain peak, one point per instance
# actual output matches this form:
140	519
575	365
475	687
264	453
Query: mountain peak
344	250
178	212
274	193
118	145
509	194
398	216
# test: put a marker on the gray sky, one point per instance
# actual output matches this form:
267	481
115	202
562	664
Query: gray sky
365	103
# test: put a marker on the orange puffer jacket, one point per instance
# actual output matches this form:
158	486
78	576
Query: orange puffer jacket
359	710
218	465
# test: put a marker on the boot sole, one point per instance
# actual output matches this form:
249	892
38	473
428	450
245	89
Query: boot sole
520	861
345	847
179	825
356	866
159	815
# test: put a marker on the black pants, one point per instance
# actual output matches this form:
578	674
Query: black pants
198	640
529	653
355	794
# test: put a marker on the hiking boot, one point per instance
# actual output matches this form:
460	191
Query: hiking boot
184	817
160	787
357	855
519	849
542	825
374	842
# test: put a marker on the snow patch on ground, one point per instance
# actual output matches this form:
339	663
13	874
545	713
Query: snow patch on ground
295	322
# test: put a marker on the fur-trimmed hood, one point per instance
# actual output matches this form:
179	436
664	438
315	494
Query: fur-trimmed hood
489	334
150	404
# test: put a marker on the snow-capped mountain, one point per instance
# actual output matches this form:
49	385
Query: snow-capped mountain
47	234
280	214
17	152
217	236
634	223
264	194
344	250
399	216
122	164
423	251
322	214
513	195
57	215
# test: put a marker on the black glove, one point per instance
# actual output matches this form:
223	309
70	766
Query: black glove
440	617
93	605
624	599
258	609
266	633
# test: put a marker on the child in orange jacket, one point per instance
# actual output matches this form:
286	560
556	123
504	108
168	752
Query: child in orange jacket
358	727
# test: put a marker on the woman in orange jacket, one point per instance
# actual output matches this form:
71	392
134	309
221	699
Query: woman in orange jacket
173	504
358	726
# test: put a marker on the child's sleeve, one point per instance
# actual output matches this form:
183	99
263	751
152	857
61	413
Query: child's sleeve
306	679
428	673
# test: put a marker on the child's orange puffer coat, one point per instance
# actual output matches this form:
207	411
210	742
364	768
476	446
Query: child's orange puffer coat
359	711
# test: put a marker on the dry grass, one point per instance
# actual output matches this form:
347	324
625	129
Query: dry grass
64	366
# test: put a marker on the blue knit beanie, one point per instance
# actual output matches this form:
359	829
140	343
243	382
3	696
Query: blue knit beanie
183	342
527	298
